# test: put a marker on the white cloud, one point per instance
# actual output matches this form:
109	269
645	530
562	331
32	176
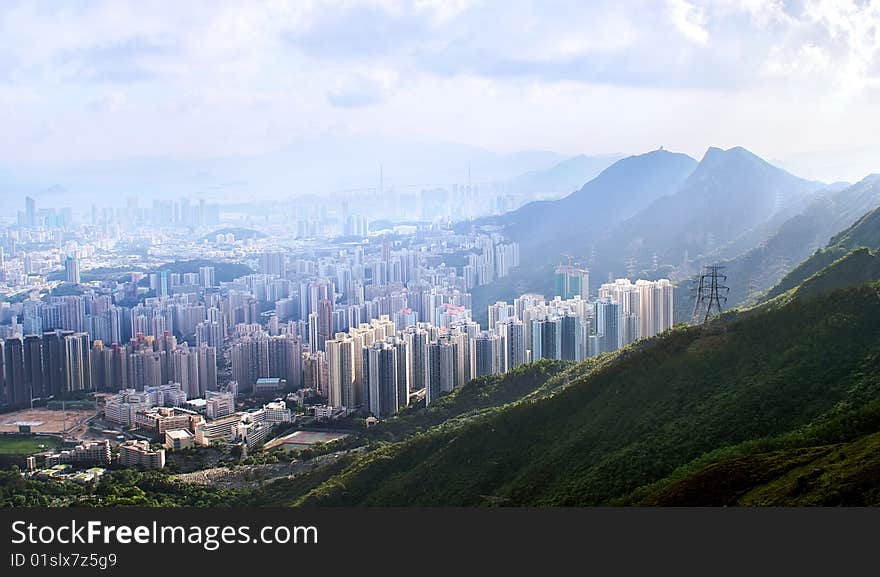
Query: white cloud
224	77
690	20
363	87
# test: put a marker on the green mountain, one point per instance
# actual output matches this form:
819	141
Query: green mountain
755	271
863	232
778	405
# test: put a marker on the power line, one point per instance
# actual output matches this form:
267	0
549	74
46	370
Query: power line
710	293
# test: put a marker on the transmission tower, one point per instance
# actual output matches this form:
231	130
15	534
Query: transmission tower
631	267
710	293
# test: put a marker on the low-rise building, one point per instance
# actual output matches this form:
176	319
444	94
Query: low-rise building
277	412
157	420
251	433
220	429
139	453
219	404
96	452
269	385
179	439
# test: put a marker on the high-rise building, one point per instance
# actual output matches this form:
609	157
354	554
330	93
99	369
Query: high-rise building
512	332
30	212
441	369
341	360
547	338
381	374
324	323
572	281
33	366
486	355
570	338
645	308
13	364
55	357
71	269
78	364
417	339
206	276
607	325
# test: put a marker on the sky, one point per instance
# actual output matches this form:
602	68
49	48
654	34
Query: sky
795	82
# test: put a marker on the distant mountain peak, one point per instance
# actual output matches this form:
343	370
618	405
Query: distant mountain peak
714	153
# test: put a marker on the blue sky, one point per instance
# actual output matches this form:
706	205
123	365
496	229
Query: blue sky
83	81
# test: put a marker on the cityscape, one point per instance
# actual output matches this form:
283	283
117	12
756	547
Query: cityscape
302	327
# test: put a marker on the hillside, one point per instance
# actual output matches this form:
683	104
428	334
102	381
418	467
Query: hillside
630	428
562	178
863	232
545	228
757	270
722	207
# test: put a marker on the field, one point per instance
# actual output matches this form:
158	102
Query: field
25	445
50	421
302	439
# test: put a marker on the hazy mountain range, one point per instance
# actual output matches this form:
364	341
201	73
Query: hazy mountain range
318	165
663	214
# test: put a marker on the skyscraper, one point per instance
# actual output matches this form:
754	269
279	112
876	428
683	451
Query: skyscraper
572	281
78	363
71	269
381	374
13	364
607	325
206	276
341	360
441	369
512	333
486	353
325	322
30	212
33	365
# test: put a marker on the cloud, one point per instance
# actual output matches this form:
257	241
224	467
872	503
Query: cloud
110	101
689	20
362	88
220	77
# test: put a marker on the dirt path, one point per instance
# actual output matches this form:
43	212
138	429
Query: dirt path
249	475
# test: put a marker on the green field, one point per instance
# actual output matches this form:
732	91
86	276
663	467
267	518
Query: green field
25	444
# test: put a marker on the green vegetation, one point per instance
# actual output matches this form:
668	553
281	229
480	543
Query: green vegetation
123	488
475	400
223	271
764	394
285	491
865	232
481	395
26	444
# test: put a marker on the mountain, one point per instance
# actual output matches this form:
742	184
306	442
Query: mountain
319	164
661	215
562	178
755	271
545	228
864	232
730	194
776	406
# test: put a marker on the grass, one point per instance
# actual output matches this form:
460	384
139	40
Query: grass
25	444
